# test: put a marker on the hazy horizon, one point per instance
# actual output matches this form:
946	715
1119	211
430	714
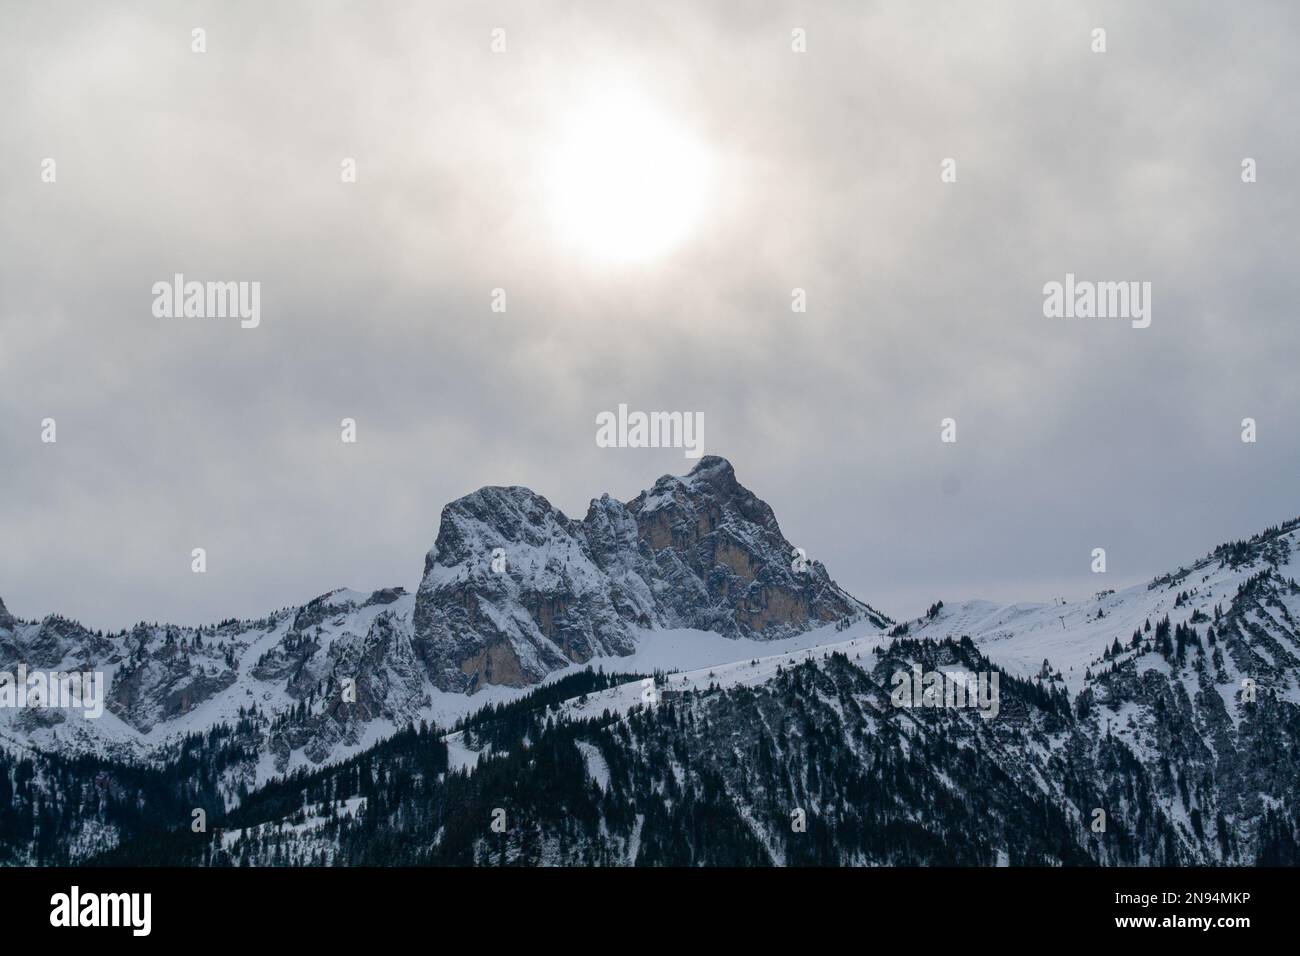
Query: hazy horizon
411	583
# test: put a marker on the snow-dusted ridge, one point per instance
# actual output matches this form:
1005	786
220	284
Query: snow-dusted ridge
691	576
1174	704
514	593
1062	643
1171	707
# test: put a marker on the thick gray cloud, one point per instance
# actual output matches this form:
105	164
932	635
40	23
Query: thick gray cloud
924	298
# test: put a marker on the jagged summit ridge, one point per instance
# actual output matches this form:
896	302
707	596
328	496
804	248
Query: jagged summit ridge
514	589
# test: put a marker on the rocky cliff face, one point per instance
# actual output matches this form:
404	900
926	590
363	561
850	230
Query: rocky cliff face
513	589
724	563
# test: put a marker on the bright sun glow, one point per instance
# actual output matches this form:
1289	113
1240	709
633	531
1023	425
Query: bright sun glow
623	183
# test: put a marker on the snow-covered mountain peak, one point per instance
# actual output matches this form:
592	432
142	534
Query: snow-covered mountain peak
1172	703
514	589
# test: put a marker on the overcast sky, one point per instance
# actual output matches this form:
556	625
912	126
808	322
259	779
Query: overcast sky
924	298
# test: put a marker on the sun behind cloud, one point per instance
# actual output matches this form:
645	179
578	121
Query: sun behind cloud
623	182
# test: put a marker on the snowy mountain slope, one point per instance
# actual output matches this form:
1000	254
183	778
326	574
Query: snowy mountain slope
1073	636
1175	711
716	770
1172	706
689	661
513	593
